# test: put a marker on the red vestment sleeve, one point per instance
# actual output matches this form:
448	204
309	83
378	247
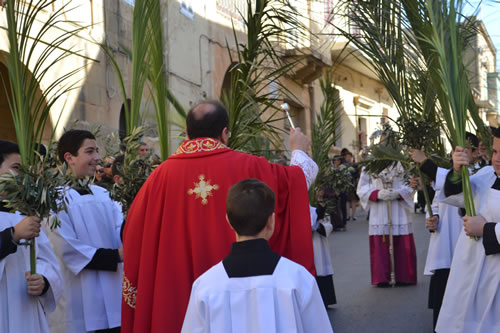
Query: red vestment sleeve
176	229
374	196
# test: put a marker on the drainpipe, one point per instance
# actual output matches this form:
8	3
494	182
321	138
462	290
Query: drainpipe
355	101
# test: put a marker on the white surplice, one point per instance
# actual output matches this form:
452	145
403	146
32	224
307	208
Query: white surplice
322	259
19	311
443	241
379	221
287	301
92	298
471	302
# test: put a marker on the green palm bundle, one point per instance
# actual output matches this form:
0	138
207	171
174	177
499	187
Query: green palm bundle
38	42
333	181
252	108
326	131
386	154
387	41
447	38
39	189
134	171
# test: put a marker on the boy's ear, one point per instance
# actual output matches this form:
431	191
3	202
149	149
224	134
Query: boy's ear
68	157
117	179
230	226
270	224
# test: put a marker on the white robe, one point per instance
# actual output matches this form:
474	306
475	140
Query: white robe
322	259
379	222
287	301
92	298
19	311
443	241
471	302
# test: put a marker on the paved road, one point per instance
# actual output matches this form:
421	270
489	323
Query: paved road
362	308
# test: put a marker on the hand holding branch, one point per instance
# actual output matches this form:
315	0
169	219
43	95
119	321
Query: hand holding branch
415	183
473	225
418	156
460	157
28	228
432	222
36	283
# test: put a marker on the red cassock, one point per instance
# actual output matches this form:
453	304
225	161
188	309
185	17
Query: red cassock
177	229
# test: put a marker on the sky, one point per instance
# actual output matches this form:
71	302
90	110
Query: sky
490	15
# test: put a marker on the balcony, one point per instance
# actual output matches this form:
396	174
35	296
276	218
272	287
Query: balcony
311	65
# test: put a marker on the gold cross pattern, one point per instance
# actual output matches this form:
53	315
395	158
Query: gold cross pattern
203	189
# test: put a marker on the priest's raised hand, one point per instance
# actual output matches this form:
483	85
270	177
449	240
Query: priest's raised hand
298	141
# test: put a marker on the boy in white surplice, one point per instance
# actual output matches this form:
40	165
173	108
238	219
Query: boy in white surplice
24	298
254	289
88	246
472	298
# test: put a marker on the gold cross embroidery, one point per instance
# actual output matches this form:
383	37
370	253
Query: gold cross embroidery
203	189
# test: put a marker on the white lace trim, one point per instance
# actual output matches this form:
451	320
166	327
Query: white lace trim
308	166
397	229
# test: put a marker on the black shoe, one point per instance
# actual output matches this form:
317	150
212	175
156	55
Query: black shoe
348	219
383	285
354	219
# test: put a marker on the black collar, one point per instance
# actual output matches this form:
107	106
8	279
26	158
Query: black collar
250	258
3	207
83	191
496	184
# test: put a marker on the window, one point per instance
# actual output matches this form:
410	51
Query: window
187	9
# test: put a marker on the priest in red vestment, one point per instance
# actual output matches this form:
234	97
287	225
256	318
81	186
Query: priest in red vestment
176	228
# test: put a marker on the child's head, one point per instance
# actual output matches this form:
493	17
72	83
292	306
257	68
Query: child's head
348	157
116	168
250	209
10	159
337	160
79	150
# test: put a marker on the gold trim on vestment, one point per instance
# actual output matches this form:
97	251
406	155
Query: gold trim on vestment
203	189
129	292
199	145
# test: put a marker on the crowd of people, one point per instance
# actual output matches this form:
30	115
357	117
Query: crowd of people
223	241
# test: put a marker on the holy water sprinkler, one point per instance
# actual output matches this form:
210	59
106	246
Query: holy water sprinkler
286	108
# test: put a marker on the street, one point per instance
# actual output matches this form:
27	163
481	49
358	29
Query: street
362	307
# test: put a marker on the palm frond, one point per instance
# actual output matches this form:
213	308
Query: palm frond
30	59
326	131
253	112
148	66
389	45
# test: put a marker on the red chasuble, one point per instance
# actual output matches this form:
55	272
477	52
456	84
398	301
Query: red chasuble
177	229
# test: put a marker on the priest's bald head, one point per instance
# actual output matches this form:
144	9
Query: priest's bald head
208	119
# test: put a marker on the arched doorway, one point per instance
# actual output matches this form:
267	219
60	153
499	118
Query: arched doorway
7	130
226	83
